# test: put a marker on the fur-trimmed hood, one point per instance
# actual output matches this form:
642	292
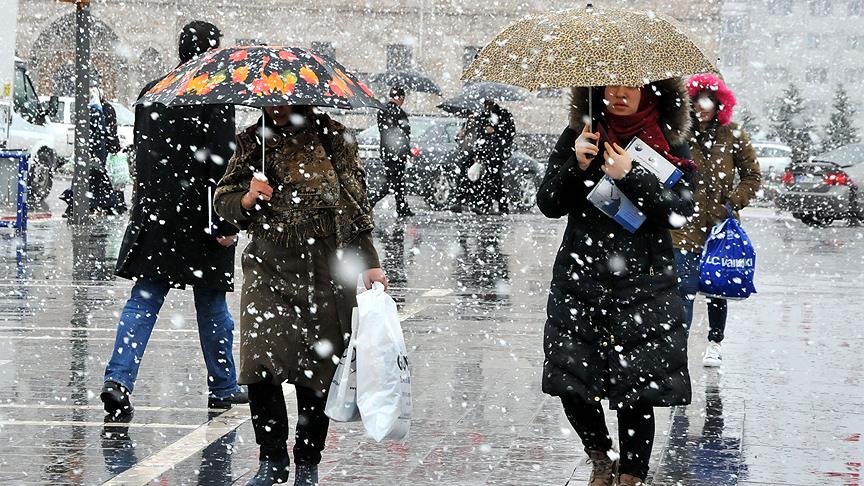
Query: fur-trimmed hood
674	105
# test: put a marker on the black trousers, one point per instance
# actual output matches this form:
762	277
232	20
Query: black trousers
491	188
270	421
635	432
395	183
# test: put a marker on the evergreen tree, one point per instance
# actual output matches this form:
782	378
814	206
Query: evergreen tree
841	128
789	124
747	121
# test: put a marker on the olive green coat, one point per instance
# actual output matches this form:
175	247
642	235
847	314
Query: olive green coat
720	152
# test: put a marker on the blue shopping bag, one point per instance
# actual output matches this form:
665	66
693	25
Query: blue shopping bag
728	262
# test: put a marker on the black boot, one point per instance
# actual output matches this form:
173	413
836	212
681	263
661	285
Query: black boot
238	397
272	471
306	475
115	398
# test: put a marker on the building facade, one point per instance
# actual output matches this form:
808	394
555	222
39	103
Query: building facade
135	40
816	44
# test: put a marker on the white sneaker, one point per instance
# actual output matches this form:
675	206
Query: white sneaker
713	357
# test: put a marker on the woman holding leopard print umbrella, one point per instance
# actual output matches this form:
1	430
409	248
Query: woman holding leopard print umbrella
614	325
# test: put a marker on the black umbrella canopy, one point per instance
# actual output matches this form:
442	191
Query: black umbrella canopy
462	105
488	90
408	79
471	99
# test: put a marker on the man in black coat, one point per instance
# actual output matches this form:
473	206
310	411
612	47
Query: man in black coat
494	148
174	238
395	133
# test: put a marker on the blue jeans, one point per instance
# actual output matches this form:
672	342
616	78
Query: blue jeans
688	286
215	328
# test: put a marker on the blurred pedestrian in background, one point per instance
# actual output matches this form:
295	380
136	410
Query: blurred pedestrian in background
395	130
721	149
494	146
465	191
101	194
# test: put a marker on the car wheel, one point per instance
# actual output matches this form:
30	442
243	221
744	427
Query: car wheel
523	193
441	188
814	220
40	178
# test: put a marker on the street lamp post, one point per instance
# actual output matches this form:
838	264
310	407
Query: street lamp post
81	174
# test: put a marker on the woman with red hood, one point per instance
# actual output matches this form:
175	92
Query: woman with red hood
720	148
615	324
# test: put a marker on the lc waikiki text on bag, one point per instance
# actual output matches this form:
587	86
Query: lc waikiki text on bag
728	262
383	380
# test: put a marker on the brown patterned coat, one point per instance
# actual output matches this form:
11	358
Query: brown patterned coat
309	244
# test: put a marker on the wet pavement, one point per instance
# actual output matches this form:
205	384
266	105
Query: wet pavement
785	409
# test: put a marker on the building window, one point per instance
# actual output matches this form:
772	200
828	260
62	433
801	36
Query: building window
820	7
733	27
856	42
777	74
733	57
853	75
468	55
814	41
324	47
399	56
816	75
780	7
782	40
855	8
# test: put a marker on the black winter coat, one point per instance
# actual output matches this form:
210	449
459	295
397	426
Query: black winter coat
395	133
614	325
180	153
495	148
112	139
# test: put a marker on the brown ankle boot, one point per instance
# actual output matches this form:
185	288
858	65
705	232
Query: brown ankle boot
628	480
604	469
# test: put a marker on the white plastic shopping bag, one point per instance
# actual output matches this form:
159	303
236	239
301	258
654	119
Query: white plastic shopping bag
383	379
342	398
475	172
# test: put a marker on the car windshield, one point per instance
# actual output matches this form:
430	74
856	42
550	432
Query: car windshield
424	130
768	151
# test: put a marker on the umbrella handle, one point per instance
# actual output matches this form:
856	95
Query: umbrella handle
209	210
590	105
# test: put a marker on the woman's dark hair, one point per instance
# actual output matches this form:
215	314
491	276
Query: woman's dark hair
196	38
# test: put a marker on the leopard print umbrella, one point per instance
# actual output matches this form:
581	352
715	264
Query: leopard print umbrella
589	47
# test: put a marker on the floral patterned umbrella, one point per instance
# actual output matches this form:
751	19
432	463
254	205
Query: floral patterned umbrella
262	76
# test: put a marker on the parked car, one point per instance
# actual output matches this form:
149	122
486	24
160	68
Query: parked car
30	130
773	160
63	123
431	173
826	188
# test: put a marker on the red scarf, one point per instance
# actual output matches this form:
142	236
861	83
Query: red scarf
645	124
